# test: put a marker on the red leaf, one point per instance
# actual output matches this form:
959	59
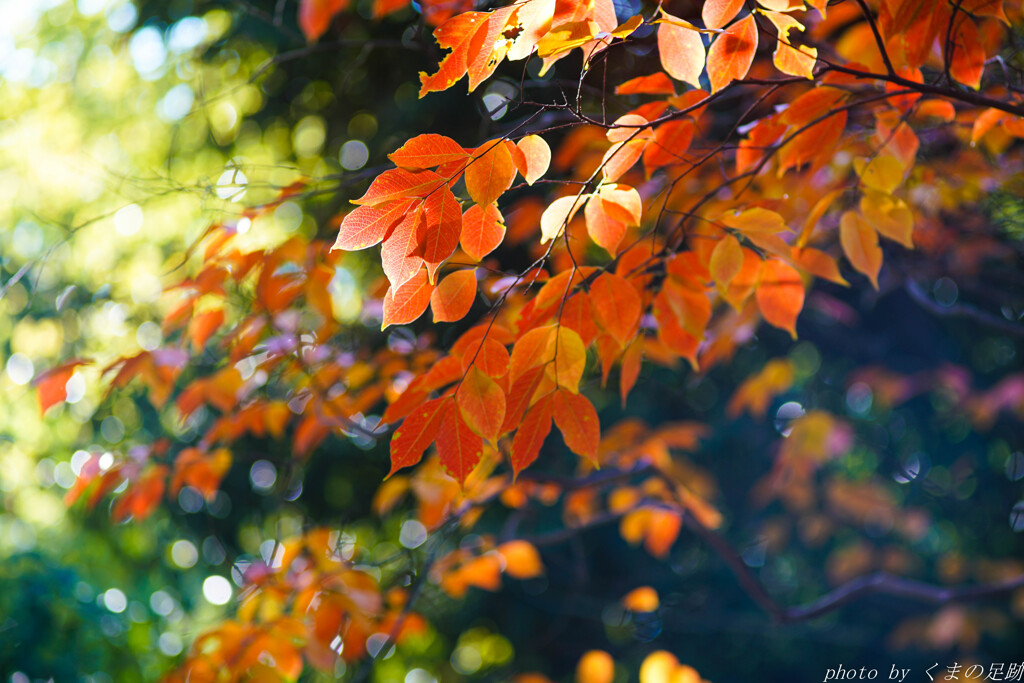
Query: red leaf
416	433
438	235
530	436
315	16
576	418
457	446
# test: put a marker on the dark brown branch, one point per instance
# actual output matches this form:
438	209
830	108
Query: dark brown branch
962	311
879	583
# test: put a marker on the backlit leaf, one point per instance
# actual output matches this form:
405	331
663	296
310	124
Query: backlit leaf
490	173
576	418
860	244
732	53
481	403
780	294
454	296
407	302
530	435
681	50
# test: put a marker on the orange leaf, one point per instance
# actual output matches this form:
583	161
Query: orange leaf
202	327
405	304
671	141
780	294
367	226
438	234
968	63
458	448
576	418
726	261
415	434
51	385
483	229
530	435
489	355
621	157
632	359
642	599
315	16
655	84
397	254
616	306
819	263
399	183
860	244
454	296
481	403
681	50
606	231
732	53
595	666
427	151
522	561
536	156
490	173
455	34
718	13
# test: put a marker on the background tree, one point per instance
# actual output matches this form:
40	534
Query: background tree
629	238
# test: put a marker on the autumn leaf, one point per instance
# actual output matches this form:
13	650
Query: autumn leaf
681	50
575	417
427	151
732	53
399	183
455	34
536	156
780	294
454	296
490	173
481	403
558	214
617	306
860	244
483	229
315	16
367	226
416	433
51	386
718	13
530	435
408	302
458	447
